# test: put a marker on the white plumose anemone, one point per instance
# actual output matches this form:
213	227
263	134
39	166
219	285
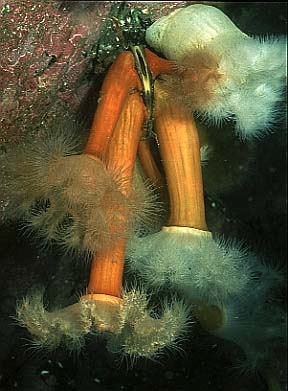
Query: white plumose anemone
235	76
192	262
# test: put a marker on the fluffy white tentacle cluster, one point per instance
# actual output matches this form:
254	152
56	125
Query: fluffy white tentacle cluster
192	261
236	76
211	270
129	329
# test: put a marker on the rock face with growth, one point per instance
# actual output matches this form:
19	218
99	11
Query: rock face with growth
46	62
42	62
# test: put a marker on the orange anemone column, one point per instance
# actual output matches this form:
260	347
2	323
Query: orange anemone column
120	80
107	266
180	151
157	66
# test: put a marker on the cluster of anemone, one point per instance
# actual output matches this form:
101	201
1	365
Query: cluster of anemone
90	200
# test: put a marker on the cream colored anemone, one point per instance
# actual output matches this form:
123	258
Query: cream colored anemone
222	73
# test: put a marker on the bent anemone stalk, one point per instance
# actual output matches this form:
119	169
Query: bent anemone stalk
107	308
